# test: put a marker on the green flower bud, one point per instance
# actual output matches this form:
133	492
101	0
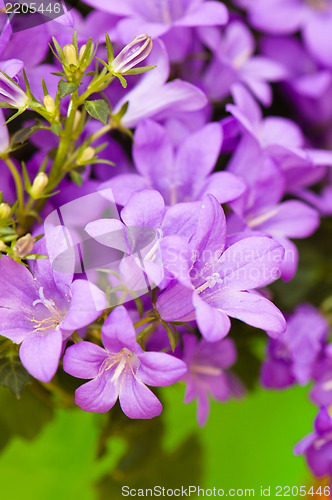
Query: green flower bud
39	184
87	155
24	246
49	104
4	210
70	54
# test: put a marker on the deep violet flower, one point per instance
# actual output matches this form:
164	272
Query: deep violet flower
120	370
208	374
41	310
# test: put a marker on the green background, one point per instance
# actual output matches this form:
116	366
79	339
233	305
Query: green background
245	444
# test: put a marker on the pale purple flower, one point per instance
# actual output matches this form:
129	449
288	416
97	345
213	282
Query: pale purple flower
180	175
261	209
317	446
234	61
120	370
41	310
154	97
223	282
170	20
292	358
312	17
208	373
321	393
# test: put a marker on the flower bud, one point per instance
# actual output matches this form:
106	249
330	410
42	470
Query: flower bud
24	246
70	54
87	155
11	93
81	52
77	119
39	184
132	54
3	246
49	104
4	210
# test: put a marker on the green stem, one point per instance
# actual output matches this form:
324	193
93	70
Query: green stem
142	321
18	183
66	138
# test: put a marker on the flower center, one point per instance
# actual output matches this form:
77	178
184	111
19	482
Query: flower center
50	322
211	281
125	360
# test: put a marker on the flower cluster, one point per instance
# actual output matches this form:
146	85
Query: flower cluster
152	210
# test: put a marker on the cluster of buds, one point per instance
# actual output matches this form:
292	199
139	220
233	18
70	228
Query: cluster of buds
74	60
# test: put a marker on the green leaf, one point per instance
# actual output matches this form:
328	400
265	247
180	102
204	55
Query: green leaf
122	111
138	71
171	335
56	128
66	88
6	105
44	88
23	134
76	178
98	109
123	81
13	375
58	48
109	48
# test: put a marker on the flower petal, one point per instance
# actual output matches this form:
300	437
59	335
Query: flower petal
136	400
83	360
160	369
98	395
40	354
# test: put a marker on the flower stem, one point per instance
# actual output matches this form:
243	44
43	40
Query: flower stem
18	182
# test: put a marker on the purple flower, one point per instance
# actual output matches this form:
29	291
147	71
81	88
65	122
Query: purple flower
182	175
312	17
234	62
41	310
292	357
121	370
321	394
171	20
207	373
317	446
222	281
154	97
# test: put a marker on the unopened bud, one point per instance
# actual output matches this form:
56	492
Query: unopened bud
70	54
3	246
4	210
24	246
49	104
11	93
39	184
87	154
81	52
77	119
132	54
